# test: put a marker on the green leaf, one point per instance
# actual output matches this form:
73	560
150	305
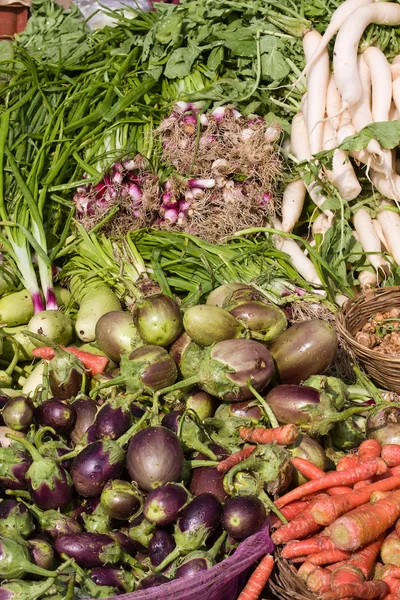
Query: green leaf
240	42
169	29
387	133
274	66
332	203
180	62
215	58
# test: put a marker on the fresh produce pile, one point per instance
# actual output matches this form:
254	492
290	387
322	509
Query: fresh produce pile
186	198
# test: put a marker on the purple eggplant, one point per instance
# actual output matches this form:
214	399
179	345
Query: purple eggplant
225	294
117	334
265	322
115	578
121	500
113	419
163	504
242	516
306	348
18	413
56	414
15	560
226	368
246	410
199	560
160	546
41	552
187	355
154	457
15	520
86	410
158	320
89	550
49	484
3	401
198	520
14	464
99	462
65	374
208	479
289	403
128	545
153	580
383	424
54	523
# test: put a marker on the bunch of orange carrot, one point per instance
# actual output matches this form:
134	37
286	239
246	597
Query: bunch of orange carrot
340	524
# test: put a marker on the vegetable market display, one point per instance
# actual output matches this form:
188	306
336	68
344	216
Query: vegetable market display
187	198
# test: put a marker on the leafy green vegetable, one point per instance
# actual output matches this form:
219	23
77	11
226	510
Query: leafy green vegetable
387	133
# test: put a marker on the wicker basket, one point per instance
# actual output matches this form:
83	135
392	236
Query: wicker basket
352	317
286	584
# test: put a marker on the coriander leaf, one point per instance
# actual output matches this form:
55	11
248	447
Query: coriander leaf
180	62
387	133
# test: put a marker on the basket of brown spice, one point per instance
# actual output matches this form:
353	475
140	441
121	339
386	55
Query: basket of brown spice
369	323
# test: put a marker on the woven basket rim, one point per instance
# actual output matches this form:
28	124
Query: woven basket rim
341	317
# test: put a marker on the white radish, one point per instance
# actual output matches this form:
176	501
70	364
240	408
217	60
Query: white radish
381	79
301	151
360	111
395	70
333	104
380	234
390	222
292	204
368	279
369	240
342	174
396	60
317	86
396	93
347	41
389	189
393	114
299	260
337	20
321	225
341	299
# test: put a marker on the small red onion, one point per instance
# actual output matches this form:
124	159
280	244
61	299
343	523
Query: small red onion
171	215
219	113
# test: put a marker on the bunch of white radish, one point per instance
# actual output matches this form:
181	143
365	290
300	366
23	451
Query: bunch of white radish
360	90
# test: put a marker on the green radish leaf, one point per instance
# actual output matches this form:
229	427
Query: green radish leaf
169	30
215	58
273	64
241	42
180	62
387	133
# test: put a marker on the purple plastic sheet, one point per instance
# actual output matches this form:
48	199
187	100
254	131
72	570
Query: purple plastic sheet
222	582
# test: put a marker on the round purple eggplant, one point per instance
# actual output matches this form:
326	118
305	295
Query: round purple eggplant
56	414
158	320
201	403
246	410
95	465
163	504
41	552
264	321
121	500
187	355
18	413
54	523
128	545
14	465
116	334
89	550
3	401
49	484
115	578
150	368
305	349
154	457
86	410
15	560
65	375
208	479
193	567
113	419
242	516
289	402
152	581
160	545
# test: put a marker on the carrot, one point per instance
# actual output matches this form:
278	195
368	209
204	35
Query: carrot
306	569
285	435
300	527
258	579
235	459
346	574
328	557
94	363
361	471
329	509
290	511
311	471
346	462
319	580
393	583
383	571
391	455
360	485
363	589
390	551
365	523
364	559
375	496
369	449
310	546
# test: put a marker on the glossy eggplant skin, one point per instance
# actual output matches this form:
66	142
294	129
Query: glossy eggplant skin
242	516
90	550
154	457
163	504
56	414
305	349
383	424
288	401
86	410
95	465
151	581
161	544
158	320
202	512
